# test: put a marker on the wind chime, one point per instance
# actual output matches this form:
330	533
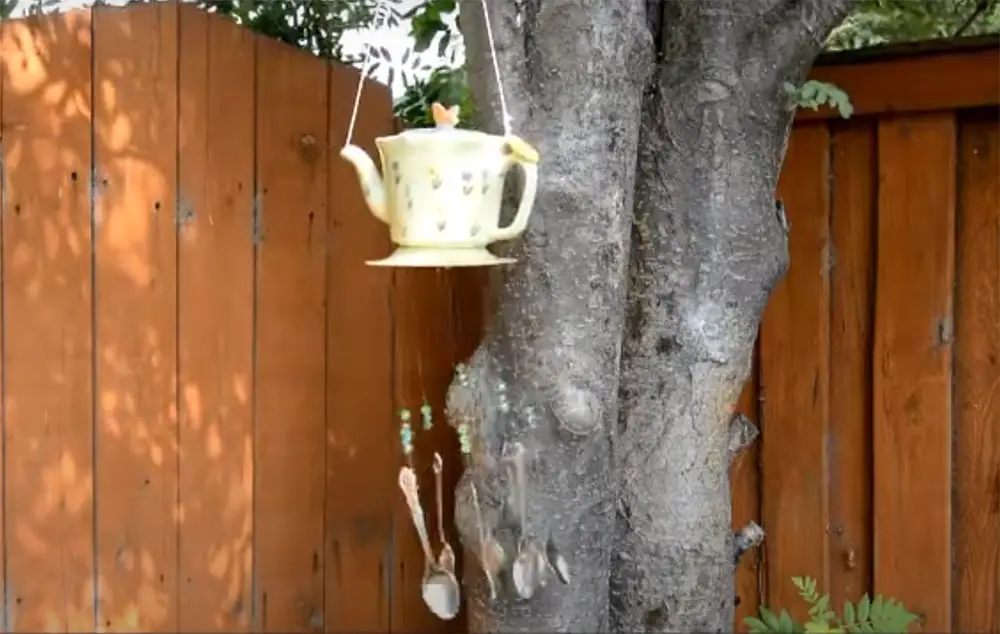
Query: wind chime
440	192
440	189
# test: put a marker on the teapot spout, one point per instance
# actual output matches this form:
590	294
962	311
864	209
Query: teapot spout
371	180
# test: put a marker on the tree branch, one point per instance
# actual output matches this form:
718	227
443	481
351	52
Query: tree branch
792	32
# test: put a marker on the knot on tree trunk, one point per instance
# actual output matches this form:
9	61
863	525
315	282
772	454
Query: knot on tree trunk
577	409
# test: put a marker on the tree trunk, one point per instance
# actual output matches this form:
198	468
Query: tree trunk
625	332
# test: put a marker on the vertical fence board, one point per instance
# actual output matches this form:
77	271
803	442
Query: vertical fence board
215	313
46	253
362	441
977	380
744	477
852	291
6	591
135	286
423	351
291	336
794	363
912	365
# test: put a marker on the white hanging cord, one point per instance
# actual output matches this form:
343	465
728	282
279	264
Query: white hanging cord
366	53
496	72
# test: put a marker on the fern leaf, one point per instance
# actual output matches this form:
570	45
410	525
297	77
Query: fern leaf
785	623
820	605
849	616
876	611
864	608
756	626
892	617
771	620
815	626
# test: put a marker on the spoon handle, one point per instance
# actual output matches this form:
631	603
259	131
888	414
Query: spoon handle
408	485
484	557
520	486
439	494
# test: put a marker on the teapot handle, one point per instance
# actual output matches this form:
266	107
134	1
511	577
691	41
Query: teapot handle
520	222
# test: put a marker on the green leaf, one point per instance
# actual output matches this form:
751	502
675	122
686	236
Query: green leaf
756	625
876	611
849	616
771	620
820	605
816	626
864	608
785	623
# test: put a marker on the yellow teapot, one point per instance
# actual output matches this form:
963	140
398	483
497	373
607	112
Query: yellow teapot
440	191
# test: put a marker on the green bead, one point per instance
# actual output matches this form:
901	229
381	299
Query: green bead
404	414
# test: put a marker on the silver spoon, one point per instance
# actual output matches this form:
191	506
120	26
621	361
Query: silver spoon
528	568
439	587
491	554
446	560
556	562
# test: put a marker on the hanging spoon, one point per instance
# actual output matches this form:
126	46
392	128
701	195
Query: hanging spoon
491	554
529	565
446	560
556	562
439	587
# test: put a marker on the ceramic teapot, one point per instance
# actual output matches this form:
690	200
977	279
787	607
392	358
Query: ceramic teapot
440	191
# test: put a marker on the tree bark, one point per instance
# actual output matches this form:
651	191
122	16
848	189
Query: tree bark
625	331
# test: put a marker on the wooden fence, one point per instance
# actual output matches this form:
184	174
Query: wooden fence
199	371
878	382
200	376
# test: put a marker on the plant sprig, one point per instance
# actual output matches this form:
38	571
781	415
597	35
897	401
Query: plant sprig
878	615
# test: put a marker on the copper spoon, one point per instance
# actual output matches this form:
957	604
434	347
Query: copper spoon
446	560
439	587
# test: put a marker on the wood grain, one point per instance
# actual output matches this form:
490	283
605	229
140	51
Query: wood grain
215	313
977	379
852	290
48	417
291	339
912	364
362	441
135	283
962	79
795	334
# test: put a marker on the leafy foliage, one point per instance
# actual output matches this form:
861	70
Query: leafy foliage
880	615
447	86
435	20
877	22
315	25
814	94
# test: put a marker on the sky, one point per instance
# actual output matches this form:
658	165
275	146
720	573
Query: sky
396	40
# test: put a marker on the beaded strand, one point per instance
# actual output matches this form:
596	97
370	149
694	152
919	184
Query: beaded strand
406	434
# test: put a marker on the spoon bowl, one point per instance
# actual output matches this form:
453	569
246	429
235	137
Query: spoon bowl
441	594
528	571
439	588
